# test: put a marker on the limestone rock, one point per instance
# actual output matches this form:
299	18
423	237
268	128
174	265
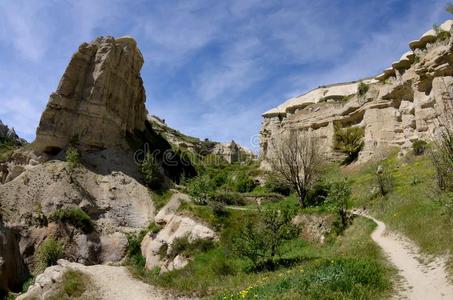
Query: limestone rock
401	105
100	98
9	135
13	270
176	226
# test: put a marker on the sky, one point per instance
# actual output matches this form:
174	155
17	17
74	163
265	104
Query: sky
211	67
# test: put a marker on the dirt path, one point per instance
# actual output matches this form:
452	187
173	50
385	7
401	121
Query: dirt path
420	281
116	283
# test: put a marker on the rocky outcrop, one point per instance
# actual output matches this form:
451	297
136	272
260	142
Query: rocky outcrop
8	135
230	152
13	270
156	247
395	108
99	100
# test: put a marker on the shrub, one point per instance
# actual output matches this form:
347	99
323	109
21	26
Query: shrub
201	188
134	251
260	240
349	141
276	185
220	265
243	183
362	88
318	194
219	210
74	284
75	217
229	198
72	156
449	8
182	246
384	180
442	159
151	172
338	200
48	253
419	147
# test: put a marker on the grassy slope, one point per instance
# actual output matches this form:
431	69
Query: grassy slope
412	207
219	274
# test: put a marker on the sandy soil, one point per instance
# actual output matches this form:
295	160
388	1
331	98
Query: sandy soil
116	283
420	281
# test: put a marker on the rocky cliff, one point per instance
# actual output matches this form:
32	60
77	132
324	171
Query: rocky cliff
99	99
9	136
395	108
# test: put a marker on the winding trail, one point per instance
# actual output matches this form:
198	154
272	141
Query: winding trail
420	281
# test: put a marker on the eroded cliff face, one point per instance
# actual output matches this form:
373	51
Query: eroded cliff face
401	105
99	99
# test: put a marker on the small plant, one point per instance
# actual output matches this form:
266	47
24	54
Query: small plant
442	159
419	147
243	183
48	253
75	217
151	172
182	246
229	198
362	88
349	141
218	208
441	34
384	180
74	284
72	156
275	184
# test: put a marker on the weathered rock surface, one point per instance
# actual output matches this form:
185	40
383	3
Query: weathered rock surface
231	152
175	226
9	135
13	270
401	105
100	98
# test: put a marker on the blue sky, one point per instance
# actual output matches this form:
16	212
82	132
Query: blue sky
211	67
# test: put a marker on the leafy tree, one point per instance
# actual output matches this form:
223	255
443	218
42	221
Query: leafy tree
362	88
260	239
349	141
201	188
151	172
338	200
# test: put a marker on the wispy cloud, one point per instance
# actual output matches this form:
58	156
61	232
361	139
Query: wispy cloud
211	67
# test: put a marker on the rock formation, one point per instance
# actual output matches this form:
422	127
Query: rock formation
231	152
395	108
175	226
99	99
8	135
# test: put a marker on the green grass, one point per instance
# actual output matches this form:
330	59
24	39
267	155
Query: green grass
74	284
413	207
161	198
218	272
75	217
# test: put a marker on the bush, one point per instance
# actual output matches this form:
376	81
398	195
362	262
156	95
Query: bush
201	188
72	156
419	147
151	172
318	194
229	198
442	159
134	251
48	253
243	183
74	284
219	210
75	217
222	266
338	200
260	240
349	141
362	88
182	246
384	180
276	185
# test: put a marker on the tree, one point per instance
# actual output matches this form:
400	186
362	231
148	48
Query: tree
260	239
298	161
151	172
338	200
